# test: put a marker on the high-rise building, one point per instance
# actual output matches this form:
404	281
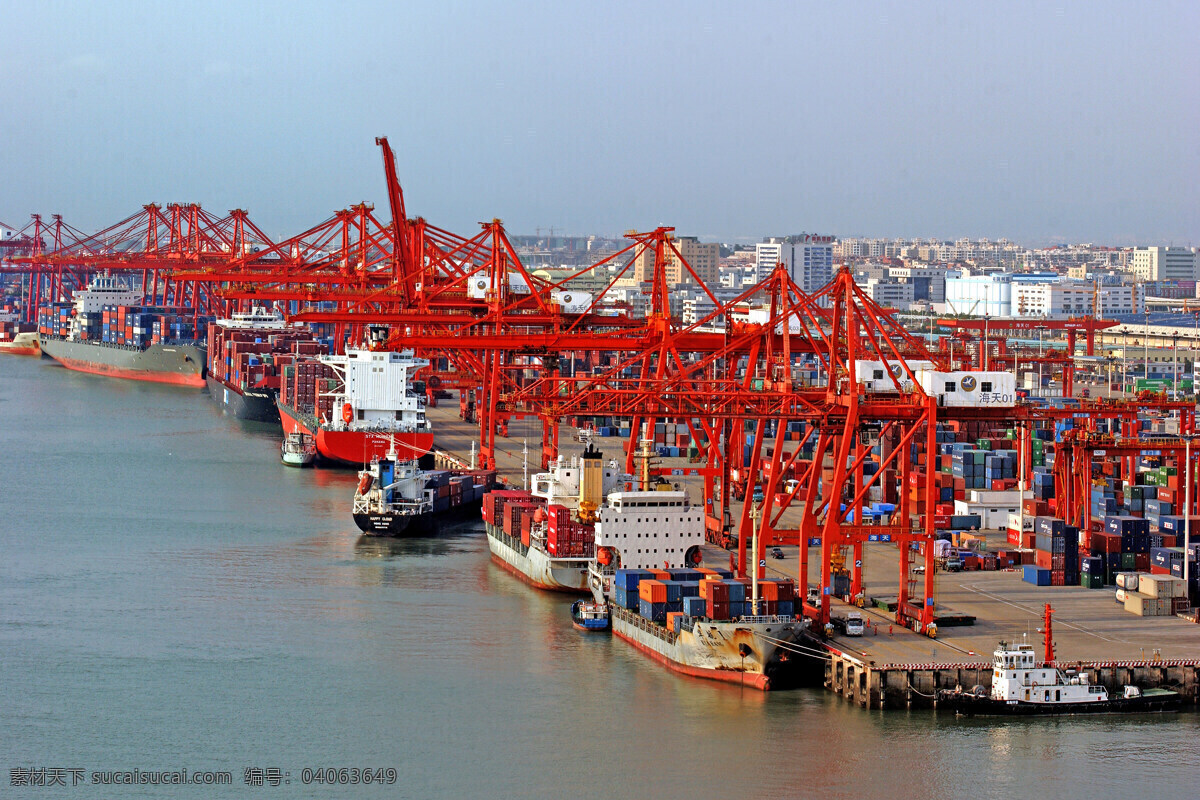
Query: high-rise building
703	257
1164	263
808	258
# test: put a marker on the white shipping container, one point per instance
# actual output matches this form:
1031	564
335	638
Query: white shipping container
992	516
1021	523
1010	498
573	302
1129	580
1159	586
970	389
1121	595
874	374
1140	604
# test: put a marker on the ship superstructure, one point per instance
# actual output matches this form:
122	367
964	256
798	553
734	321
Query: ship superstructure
370	408
248	353
546	535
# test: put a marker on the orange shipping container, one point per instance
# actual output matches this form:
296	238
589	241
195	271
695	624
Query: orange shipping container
652	591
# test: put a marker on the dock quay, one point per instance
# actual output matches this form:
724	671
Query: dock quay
894	668
916	685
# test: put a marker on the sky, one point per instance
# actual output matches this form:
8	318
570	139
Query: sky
1042	122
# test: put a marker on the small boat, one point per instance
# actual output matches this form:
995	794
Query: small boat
298	450
1020	687
590	617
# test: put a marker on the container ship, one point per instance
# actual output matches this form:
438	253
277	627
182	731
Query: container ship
104	332
357	406
546	536
397	498
695	621
247	354
18	338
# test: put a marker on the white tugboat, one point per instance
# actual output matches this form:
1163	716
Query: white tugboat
1023	687
298	450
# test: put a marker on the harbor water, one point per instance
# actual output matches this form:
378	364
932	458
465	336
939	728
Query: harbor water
172	597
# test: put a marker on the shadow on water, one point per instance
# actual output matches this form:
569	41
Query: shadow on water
449	540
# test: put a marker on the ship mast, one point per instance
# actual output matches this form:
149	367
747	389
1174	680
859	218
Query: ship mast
1048	633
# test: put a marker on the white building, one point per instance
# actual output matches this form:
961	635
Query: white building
808	258
1164	263
1126	298
1052	299
890	293
929	283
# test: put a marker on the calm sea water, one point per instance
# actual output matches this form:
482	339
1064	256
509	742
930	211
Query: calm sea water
172	597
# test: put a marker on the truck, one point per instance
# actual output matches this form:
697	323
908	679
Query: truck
855	624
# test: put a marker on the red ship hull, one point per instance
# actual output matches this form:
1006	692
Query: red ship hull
750	680
354	447
14	350
91	367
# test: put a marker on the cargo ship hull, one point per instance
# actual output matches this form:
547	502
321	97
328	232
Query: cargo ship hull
719	657
353	447
257	405
535	566
984	706
415	525
23	344
180	365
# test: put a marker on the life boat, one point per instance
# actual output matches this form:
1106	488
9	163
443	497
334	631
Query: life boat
364	483
604	555
347	413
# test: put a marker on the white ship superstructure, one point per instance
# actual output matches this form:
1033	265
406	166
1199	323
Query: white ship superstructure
644	530
104	290
377	393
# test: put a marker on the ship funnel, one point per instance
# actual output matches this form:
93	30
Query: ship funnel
591	483
377	336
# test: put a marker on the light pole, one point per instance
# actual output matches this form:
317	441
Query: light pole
1124	371
1175	377
1146	350
755	513
1187	506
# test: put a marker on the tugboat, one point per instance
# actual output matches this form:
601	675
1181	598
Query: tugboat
1022	688
298	450
590	617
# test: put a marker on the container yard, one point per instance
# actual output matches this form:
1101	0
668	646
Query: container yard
914	481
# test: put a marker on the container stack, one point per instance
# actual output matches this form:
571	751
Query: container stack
567	537
1157	596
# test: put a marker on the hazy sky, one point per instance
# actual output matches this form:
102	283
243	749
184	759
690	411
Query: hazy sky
1039	121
